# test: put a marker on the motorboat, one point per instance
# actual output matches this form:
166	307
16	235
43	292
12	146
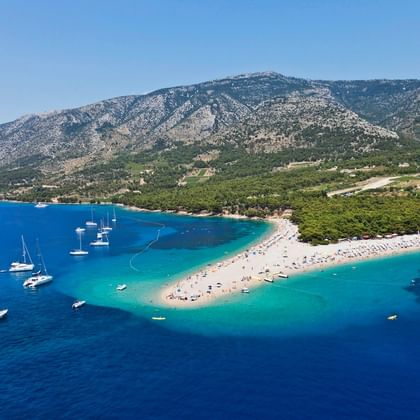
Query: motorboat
392	317
26	264
121	287
245	290
41	205
3	313
158	318
78	304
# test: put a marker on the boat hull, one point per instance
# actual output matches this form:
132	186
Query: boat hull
36	281
78	304
78	253
99	243
21	267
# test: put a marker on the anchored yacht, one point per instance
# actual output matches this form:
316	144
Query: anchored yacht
26	264
41	277
79	252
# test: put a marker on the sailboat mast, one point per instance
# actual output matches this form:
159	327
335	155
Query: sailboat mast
23	250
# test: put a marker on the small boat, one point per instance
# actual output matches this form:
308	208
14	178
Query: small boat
158	318
107	228
268	280
37	280
245	290
78	304
101	241
91	222
23	265
114	217
282	275
121	287
392	317
80	230
41	277
3	313
79	252
41	205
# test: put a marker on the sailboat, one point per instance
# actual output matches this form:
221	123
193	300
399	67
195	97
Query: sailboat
24	265
79	252
107	228
114	217
40	277
91	222
3	313
102	240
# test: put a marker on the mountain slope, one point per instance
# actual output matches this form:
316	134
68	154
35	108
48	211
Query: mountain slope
186	113
310	120
379	100
278	111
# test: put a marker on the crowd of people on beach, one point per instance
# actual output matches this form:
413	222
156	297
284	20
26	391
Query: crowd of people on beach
280	253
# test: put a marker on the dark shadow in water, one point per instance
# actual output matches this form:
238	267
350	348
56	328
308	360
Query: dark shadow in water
414	288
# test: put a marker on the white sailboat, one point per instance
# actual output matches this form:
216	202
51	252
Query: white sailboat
114	217
26	264
101	240
107	228
80	230
79	252
91	222
41	277
3	313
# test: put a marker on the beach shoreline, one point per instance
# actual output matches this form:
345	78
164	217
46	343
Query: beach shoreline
275	257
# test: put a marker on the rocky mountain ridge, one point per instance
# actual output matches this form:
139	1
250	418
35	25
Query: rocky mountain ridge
263	111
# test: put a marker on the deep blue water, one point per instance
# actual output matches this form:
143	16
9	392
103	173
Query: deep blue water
317	347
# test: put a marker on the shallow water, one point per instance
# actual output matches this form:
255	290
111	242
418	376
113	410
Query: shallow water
317	345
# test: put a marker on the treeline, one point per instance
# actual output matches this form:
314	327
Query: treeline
328	220
265	194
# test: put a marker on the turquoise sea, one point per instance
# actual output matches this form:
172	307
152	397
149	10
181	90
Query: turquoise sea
317	345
